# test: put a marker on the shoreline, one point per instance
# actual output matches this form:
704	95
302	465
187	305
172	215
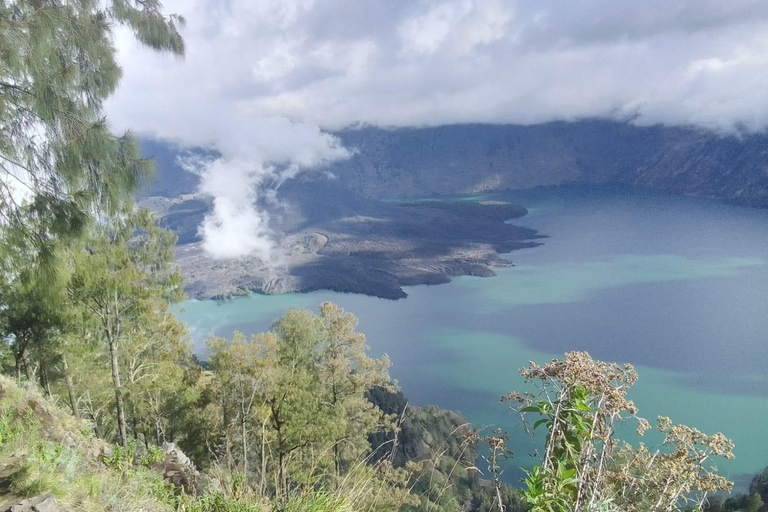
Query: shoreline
403	244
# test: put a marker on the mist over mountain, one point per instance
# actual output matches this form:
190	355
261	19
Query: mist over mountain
472	158
467	159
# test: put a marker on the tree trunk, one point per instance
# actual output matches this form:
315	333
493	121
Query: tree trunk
245	449
28	366
262	484
227	438
20	354
159	437
336	445
18	368
282	477
134	426
121	426
70	387
337	458
45	383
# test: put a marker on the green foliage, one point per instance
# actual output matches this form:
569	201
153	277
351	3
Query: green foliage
33	315
759	485
216	502
58	158
317	502
44	452
122	457
439	449
569	418
39	473
552	492
582	470
122	280
11	425
154	455
288	407
754	503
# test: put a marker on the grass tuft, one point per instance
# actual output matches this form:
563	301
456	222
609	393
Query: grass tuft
46	450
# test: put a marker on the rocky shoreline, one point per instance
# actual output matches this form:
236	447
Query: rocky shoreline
207	279
357	245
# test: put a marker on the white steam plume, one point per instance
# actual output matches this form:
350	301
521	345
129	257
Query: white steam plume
235	228
251	166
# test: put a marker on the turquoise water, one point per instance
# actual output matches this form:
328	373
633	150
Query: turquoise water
676	286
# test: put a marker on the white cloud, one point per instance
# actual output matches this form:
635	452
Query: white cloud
262	77
459	25
427	33
427	62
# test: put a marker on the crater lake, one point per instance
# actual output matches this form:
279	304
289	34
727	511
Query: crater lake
676	286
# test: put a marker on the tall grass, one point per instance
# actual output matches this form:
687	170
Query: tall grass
46	450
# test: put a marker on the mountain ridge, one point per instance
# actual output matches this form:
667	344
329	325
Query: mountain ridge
402	163
473	158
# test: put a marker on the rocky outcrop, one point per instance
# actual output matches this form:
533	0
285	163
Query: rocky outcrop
180	471
44	503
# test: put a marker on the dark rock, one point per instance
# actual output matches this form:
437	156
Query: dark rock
44	503
180	471
347	243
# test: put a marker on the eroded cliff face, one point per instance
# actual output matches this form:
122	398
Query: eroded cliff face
729	168
467	159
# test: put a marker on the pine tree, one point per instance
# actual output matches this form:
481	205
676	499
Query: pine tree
33	315
59	162
292	402
297	413
153	356
122	279
346	374
754	503
244	371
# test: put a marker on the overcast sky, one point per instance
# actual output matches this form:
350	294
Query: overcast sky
262	79
333	63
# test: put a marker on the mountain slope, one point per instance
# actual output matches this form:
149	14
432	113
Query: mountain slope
467	159
472	158
44	452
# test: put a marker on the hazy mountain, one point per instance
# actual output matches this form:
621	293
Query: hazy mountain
170	179
465	159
